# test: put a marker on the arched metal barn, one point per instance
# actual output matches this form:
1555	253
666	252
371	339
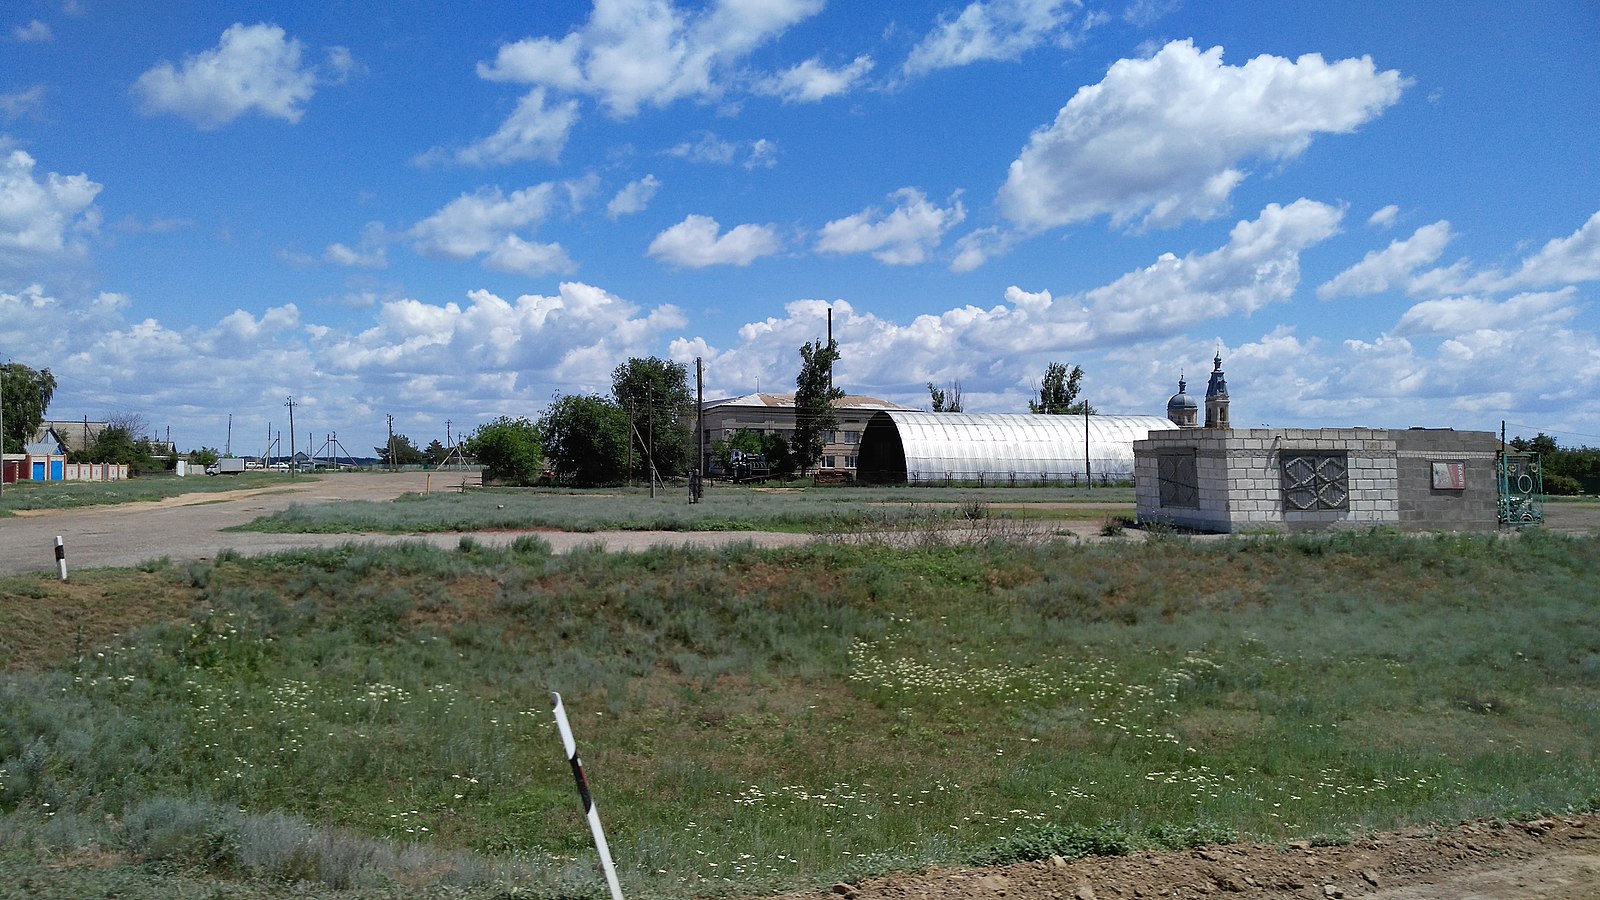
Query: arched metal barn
915	447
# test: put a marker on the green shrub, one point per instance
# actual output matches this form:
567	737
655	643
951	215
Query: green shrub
1044	841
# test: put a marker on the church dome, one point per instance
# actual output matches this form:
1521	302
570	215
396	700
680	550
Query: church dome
1181	400
1182	408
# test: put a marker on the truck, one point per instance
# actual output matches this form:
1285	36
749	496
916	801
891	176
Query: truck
226	466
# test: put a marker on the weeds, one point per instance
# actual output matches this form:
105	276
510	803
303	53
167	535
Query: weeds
375	719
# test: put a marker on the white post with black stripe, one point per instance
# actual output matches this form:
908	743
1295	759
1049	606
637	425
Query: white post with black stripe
588	801
61	557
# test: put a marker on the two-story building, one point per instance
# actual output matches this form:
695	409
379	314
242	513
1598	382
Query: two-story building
775	414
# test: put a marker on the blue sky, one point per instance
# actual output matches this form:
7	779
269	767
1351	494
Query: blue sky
1381	214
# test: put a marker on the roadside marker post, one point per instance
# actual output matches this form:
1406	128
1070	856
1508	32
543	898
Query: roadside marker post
588	801
61	557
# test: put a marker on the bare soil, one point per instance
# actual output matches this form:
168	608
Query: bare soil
1545	859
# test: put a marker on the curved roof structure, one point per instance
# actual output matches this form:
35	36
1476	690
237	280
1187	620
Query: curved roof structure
920	447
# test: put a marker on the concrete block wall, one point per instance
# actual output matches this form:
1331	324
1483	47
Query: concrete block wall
1426	508
1389	478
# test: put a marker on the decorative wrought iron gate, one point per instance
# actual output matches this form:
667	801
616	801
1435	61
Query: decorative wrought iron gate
1521	489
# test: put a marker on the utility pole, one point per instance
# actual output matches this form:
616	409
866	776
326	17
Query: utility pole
1087	474
227	448
391	444
3	430
290	403
447	439
700	415
830	348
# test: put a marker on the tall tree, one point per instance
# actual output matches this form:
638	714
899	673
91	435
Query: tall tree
509	450
1058	393
405	453
946	399
25	395
123	440
656	394
585	438
814	394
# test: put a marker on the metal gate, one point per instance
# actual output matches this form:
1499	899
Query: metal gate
1521	489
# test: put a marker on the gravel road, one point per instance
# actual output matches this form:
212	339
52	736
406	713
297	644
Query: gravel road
190	527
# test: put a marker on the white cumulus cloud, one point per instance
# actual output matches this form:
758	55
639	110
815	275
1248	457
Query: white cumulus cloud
1384	218
812	81
632	53
1391	266
904	235
991	30
696	243
253	68
634	197
42	218
534	131
35	32
1455	316
476	223
1166	139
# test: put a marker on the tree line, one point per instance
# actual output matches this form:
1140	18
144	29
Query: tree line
1567	470
645	428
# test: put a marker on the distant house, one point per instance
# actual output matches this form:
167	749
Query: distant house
58	438
775	414
61	437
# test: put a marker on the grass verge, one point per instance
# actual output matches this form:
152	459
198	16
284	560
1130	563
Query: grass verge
376	721
28	495
724	508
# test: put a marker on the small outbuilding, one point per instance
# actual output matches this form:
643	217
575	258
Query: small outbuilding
1308	479
915	447
1219	479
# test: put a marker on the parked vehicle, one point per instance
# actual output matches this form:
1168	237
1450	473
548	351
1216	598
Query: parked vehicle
226	466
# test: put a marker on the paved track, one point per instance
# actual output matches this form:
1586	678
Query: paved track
189	527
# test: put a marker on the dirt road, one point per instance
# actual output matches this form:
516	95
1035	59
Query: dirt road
1546	859
190	527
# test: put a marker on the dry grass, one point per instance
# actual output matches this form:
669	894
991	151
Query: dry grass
45	622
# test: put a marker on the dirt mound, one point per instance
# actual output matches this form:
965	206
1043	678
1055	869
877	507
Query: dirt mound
1547	859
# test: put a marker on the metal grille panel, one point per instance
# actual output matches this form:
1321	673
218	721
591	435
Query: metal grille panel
1316	481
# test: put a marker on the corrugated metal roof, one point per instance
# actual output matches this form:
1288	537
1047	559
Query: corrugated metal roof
963	446
786	401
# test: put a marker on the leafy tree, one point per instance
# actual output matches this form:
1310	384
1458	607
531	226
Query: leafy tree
118	443
508	449
1565	469
405	453
26	395
772	447
1058	393
747	440
780	459
205	456
813	403
655	392
585	438
947	399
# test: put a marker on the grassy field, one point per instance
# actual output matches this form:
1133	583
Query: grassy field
377	723
147	489
724	508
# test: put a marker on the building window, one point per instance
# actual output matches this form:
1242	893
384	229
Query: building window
827	462
1179	479
1316	481
849	462
852	437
